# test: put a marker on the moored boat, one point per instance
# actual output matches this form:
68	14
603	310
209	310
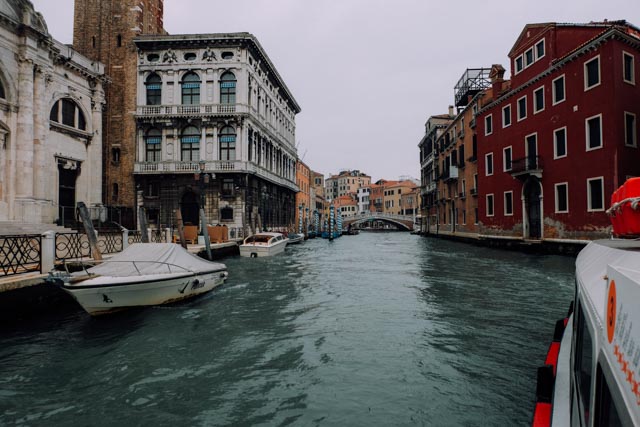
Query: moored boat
263	244
144	274
591	376
295	238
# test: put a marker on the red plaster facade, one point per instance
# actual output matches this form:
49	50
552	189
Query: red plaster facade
550	172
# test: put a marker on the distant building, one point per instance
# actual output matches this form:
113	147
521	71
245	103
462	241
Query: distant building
362	196
303	197
429	169
345	182
51	100
457	146
561	136
392	195
346	205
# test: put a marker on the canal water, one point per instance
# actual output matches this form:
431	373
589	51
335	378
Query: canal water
379	329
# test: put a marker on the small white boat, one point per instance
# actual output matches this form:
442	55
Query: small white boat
144	274
295	238
591	375
263	244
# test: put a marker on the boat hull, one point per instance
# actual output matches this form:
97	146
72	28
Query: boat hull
259	251
105	294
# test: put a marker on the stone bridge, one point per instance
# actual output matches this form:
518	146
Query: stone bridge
403	222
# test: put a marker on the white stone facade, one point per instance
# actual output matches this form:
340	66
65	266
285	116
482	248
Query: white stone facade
50	121
216	102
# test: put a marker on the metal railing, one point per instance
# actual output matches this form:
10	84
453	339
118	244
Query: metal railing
20	254
72	246
526	164
155	236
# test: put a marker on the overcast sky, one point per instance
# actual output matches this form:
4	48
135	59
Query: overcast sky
368	73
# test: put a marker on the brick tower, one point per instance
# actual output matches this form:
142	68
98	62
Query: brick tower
103	30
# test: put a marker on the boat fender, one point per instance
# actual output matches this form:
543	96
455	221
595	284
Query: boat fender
545	384
559	330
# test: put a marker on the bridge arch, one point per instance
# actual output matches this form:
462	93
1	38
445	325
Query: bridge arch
404	223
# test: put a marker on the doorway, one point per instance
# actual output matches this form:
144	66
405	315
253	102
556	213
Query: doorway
532	202
67	177
189	208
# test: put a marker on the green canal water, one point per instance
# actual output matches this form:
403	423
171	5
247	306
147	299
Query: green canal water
379	329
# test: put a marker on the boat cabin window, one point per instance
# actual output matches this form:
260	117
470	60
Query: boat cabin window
606	412
258	239
583	363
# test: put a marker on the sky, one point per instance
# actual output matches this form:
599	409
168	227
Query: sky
369	73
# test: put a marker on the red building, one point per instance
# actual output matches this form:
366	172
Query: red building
561	136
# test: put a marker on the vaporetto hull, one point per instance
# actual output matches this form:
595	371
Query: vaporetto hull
103	295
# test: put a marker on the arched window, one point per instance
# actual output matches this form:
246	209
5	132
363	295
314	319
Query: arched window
3	95
227	143
154	89
153	145
191	89
228	88
67	112
190	144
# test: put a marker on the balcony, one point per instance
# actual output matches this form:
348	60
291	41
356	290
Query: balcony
461	195
527	166
473	192
197	110
215	166
429	188
450	174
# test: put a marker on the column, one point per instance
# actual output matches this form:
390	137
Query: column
216	143
203	143
24	131
94	156
240	141
43	186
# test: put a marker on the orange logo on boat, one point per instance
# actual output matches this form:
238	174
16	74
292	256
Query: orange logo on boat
611	311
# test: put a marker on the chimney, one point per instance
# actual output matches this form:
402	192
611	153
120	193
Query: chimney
497	78
450	110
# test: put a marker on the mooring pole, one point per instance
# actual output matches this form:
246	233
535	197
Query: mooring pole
91	232
183	242
142	220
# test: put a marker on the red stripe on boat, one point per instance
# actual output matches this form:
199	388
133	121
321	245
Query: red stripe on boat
552	356
542	415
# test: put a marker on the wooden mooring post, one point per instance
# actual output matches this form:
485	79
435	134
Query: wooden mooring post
91	232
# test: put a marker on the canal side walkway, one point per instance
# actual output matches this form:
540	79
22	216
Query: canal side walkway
544	246
28	294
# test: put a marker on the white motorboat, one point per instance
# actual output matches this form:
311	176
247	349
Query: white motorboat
144	274
263	244
591	375
295	238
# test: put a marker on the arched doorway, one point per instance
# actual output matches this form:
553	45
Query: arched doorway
189	208
531	194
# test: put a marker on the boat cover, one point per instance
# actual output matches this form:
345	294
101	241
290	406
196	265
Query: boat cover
154	258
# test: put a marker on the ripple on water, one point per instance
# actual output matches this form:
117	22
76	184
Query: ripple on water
374	329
